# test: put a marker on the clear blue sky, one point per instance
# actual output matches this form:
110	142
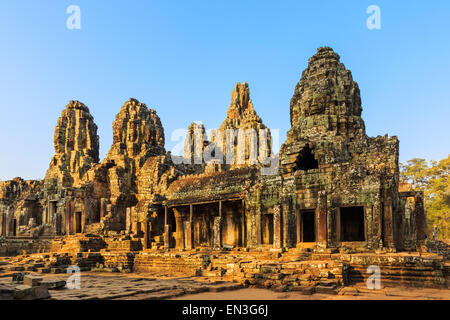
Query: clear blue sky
183	58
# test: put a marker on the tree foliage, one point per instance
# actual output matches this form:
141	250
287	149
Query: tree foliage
433	178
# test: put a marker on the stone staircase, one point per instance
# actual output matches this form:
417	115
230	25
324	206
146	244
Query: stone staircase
413	271
168	262
78	243
439	247
93	228
324	275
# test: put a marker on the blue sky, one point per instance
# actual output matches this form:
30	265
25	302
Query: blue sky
183	58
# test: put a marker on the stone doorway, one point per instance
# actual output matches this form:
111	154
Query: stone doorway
14	227
308	226
267	228
352	224
232	224
77	222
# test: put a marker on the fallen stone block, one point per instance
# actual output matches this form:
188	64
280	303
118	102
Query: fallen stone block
25	292
17	268
58	270
6	292
280	288
349	291
53	284
32	281
18	277
326	290
45	270
307	290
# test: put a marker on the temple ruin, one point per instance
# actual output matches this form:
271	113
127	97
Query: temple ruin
334	188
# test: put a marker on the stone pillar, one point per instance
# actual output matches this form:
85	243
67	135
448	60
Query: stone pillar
146	232
378	224
217	232
388	221
322	219
244	227
189	230
69	214
420	218
167	235
128	220
2	228
165	215
103	203
287	237
277	240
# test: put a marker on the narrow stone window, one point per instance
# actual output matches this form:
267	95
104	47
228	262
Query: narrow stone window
305	160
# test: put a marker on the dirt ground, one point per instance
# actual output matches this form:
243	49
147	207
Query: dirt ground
135	286
265	294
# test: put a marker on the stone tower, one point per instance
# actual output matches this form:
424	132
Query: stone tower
76	145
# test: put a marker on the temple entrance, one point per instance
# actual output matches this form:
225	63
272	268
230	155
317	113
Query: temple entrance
171	220
267	228
77	222
50	212
352	224
232	223
14	227
308	226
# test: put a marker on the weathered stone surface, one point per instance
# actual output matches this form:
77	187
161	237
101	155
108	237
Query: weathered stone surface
248	139
32	281
76	145
25	292
6	292
334	196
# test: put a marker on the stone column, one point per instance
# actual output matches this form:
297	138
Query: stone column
388	221
217	231
127	220
244	227
103	202
322	219
167	230
378	224
189	230
1	224
69	213
277	240
167	236
420	218
146	232
287	237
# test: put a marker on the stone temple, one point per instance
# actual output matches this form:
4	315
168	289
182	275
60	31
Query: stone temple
334	190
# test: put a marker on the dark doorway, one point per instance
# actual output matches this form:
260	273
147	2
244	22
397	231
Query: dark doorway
352	224
58	224
171	220
139	230
78	222
305	160
267	228
14	227
308	226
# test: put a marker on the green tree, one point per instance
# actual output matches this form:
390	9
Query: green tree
433	178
